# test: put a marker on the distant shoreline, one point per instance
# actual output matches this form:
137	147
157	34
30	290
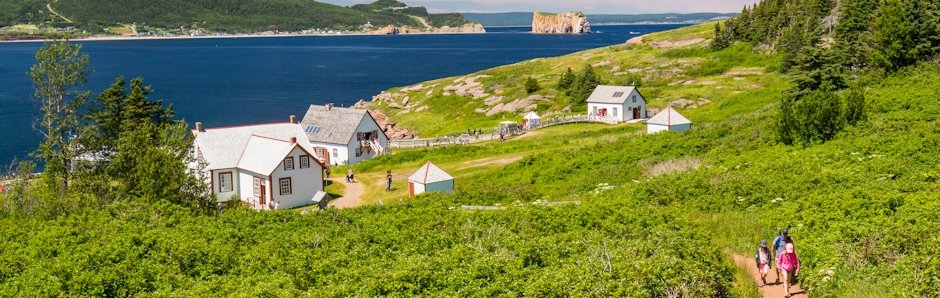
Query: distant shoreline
226	36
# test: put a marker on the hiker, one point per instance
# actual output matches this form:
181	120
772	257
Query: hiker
327	172
388	181
349	176
277	205
762	258
778	245
789	264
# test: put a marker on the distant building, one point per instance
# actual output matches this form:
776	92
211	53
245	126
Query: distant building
668	119
531	120
263	165
430	178
343	135
621	103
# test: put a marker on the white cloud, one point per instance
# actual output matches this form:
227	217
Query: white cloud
587	6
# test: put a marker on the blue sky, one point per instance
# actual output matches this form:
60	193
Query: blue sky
587	6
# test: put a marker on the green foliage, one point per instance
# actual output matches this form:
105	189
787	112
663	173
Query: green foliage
59	71
905	32
566	80
141	152
532	85
596	249
584	84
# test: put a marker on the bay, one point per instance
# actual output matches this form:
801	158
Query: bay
234	81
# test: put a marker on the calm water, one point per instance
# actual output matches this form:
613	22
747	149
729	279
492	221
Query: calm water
250	80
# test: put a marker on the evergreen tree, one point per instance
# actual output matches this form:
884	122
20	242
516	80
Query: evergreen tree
60	69
854	106
566	80
585	83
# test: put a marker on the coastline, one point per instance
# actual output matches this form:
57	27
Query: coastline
228	36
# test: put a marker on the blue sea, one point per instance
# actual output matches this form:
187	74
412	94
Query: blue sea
236	81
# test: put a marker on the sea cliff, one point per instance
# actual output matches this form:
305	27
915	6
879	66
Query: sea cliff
568	22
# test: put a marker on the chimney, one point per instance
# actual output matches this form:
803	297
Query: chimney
199	127
293	119
293	140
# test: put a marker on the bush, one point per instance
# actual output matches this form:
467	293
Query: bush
531	85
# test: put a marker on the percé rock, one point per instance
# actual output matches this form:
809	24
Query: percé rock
569	22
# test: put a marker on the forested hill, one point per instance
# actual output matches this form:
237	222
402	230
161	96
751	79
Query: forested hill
221	15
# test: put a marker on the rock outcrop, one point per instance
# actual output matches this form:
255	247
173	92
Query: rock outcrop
568	22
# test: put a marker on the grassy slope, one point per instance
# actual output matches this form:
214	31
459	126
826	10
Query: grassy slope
861	206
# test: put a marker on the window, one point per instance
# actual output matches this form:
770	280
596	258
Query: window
225	182
285	186
618	94
358	152
615	112
304	162
634	99
594	111
335	153
289	163
256	189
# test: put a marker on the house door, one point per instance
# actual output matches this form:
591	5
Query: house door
411	189
636	113
602	113
262	198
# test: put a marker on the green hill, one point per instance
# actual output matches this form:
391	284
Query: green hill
218	15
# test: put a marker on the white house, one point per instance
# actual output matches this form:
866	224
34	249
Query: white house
430	178
620	103
263	165
343	135
668	119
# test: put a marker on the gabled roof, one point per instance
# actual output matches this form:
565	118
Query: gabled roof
611	94
531	116
263	154
430	173
332	125
669	117
320	196
223	147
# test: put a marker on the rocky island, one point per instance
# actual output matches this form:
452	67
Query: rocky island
573	22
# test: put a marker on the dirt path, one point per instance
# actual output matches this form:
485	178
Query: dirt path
49	6
352	197
772	289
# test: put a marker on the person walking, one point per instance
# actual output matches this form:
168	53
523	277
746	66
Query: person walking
778	247
349	176
388	181
789	265
327	172
762	258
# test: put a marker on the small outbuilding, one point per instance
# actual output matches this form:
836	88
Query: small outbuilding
668	119
531	120
430	178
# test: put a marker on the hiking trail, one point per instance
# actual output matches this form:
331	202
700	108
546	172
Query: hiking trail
49	6
352	197
772	289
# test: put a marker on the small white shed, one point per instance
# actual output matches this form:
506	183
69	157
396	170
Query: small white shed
430	178
668	119
531	120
